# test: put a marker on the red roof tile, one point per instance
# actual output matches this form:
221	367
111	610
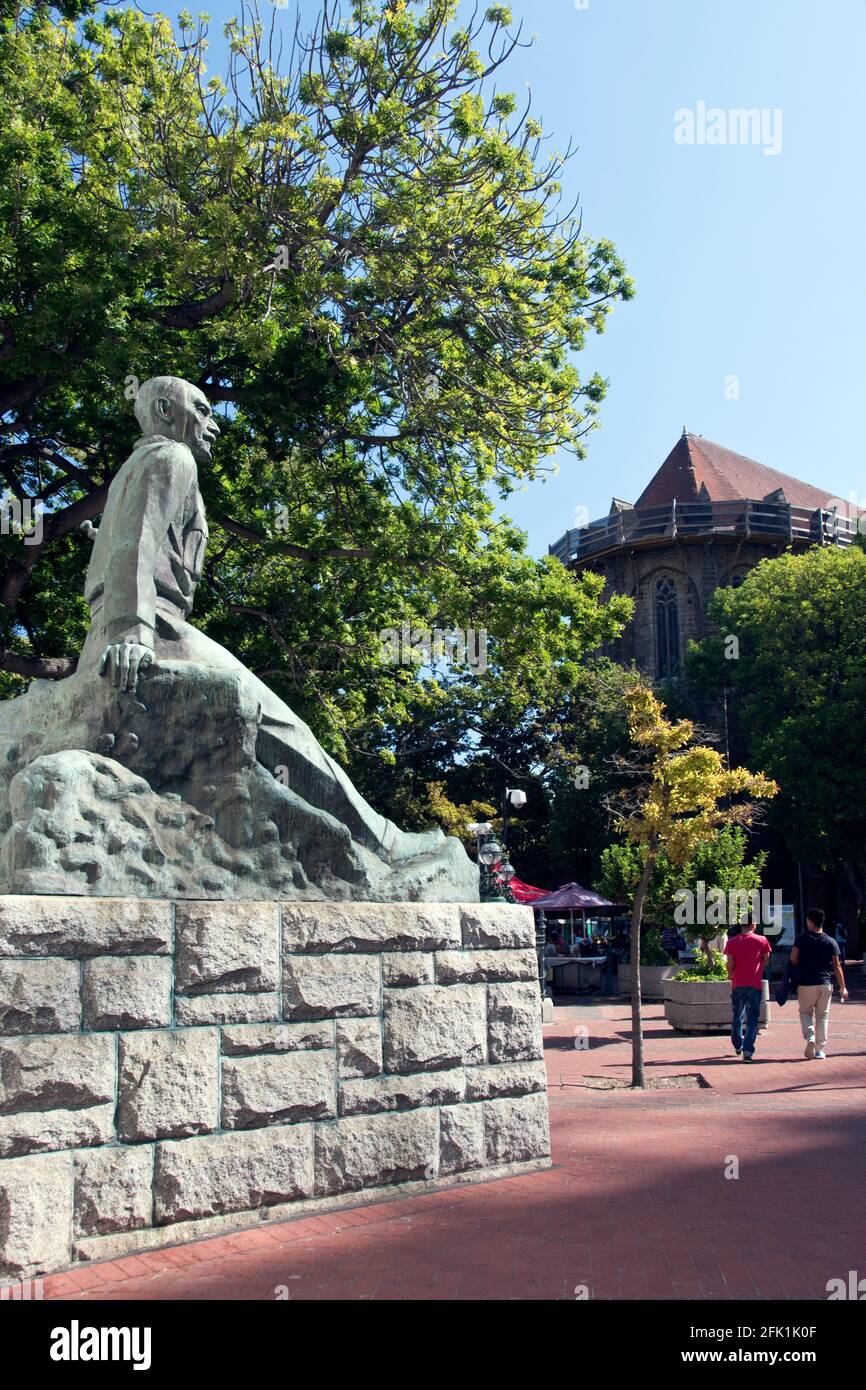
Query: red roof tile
695	462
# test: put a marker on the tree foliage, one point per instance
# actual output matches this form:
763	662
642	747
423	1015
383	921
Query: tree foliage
353	240
478	737
720	863
799	689
681	796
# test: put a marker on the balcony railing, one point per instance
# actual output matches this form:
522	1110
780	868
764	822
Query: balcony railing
776	521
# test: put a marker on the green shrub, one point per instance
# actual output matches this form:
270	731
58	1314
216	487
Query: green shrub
714	969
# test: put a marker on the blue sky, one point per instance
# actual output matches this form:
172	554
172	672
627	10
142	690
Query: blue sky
747	265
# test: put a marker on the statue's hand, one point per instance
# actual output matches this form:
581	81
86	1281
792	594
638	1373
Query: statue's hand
122	662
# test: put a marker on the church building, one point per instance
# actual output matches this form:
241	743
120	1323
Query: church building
705	519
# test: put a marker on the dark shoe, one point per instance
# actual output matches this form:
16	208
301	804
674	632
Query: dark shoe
747	1056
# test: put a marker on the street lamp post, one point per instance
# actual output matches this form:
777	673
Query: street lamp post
540	946
496	871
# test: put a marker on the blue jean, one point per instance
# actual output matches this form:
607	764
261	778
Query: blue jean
746	1000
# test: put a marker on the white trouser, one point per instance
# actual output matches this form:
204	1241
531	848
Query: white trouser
813	1001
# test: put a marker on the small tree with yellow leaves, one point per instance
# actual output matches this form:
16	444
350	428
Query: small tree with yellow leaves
682	795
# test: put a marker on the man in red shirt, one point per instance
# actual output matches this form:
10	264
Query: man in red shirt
747	954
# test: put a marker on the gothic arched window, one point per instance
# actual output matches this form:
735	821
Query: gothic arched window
667	629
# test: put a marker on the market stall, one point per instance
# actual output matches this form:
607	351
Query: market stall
580	924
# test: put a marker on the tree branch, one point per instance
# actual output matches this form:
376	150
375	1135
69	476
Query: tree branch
50	668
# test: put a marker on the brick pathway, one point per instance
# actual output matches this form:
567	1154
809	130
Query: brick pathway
637	1205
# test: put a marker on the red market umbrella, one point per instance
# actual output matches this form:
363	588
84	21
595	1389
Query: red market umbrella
524	892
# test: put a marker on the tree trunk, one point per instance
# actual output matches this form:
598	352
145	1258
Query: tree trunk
637	1071
855	872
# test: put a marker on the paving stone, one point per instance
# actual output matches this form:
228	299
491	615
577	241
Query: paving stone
112	1189
79	927
331	986
227	948
434	1027
278	1089
604	1209
39	996
127	992
233	1172
168	1084
359	1047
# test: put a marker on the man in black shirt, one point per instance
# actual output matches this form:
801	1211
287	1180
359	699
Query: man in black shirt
816	957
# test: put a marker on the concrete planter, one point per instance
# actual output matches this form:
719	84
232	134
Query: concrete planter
652	979
704	1006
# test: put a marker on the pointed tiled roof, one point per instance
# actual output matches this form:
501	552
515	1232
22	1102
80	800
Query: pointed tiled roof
696	470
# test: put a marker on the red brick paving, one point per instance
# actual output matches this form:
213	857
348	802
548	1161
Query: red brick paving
637	1205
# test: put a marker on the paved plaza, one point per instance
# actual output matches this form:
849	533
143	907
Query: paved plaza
637	1204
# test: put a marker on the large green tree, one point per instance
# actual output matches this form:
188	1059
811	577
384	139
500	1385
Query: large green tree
798	688
481	737
355	242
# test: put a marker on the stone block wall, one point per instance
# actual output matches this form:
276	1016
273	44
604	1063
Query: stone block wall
172	1070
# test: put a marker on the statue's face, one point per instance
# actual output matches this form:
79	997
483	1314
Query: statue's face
188	417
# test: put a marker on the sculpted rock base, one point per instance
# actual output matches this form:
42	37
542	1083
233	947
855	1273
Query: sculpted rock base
164	794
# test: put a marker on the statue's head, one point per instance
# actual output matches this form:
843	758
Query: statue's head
171	406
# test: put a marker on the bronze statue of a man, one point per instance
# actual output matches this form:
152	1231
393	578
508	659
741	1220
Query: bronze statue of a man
150	662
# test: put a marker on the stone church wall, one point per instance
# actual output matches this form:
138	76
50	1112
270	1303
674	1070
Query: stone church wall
697	570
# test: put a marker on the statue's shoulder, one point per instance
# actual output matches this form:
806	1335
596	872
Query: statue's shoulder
156	451
157	462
